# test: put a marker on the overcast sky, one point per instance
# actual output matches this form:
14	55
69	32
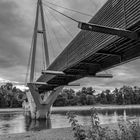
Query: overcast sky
16	29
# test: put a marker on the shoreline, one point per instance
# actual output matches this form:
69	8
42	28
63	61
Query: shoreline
49	134
58	133
98	107
76	108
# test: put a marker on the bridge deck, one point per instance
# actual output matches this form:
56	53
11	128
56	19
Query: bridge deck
91	52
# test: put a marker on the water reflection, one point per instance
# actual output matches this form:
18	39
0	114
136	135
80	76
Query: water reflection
11	123
18	123
37	125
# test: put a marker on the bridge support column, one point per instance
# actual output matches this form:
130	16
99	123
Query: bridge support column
41	109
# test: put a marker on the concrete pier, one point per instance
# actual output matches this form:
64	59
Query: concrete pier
40	108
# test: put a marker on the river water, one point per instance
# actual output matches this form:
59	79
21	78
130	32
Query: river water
17	122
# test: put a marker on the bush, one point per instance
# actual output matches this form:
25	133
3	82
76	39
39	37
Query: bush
126	130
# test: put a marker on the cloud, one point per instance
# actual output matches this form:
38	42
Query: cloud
127	74
14	40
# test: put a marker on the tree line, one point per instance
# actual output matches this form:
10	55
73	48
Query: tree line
10	96
88	96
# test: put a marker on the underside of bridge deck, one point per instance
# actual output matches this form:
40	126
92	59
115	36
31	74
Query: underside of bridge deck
90	52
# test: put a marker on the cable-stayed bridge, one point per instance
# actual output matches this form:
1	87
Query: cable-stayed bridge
109	39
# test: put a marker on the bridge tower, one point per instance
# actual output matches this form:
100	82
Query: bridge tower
39	108
35	35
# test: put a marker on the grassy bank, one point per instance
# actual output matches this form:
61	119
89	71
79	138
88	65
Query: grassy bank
51	134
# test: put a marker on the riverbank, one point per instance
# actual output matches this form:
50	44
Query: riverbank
49	134
76	108
98	107
5	110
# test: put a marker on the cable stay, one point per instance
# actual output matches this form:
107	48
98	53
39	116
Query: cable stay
43	55
59	44
72	10
46	12
29	62
48	33
102	29
67	31
62	14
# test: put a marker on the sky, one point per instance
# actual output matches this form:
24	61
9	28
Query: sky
16	30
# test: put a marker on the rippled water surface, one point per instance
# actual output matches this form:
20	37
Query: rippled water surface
16	122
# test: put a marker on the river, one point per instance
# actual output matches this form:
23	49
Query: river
16	122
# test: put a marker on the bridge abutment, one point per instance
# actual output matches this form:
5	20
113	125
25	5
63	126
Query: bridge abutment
41	109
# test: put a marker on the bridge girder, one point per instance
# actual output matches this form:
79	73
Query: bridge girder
109	30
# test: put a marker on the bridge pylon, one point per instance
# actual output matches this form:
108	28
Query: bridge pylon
39	30
40	107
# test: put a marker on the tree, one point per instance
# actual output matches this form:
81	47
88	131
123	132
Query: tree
90	100
70	93
60	101
118	96
109	97
85	96
82	99
2	100
136	95
127	94
67	97
9	95
90	91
